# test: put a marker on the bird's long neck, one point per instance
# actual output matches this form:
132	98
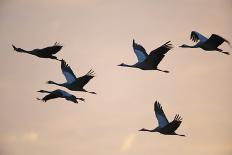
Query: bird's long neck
44	91
188	46
153	130
58	84
125	65
22	50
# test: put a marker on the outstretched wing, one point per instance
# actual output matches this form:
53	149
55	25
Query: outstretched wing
216	40
51	49
156	56
52	95
67	71
140	52
162	119
196	36
83	80
172	126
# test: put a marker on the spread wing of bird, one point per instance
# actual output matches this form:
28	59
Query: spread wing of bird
156	56
83	80
140	52
64	93
49	50
196	36
172	126
67	71
52	95
216	40
162	119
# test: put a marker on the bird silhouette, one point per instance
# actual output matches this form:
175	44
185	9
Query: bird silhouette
206	44
72	82
151	61
165	127
59	94
47	52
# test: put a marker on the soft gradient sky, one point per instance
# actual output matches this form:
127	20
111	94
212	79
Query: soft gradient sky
98	34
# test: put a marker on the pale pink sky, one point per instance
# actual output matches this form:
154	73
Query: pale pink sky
98	34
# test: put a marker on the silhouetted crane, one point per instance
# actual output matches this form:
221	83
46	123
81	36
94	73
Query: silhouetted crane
73	83
164	127
151	61
47	52
59	94
206	44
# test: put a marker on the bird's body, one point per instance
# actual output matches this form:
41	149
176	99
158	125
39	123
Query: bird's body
151	61
165	127
207	44
47	52
72	82
59	94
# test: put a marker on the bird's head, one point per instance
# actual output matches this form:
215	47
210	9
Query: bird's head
122	64
184	45
42	91
17	49
165	71
143	129
50	82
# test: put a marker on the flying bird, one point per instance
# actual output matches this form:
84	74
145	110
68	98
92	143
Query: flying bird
47	52
59	94
206	44
72	82
165	127
151	61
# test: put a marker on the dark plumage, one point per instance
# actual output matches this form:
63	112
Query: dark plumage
206	44
72	82
165	127
59	94
151	61
47	52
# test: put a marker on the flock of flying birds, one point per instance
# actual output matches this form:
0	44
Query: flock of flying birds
145	62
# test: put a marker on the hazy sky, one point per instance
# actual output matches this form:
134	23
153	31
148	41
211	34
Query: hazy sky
98	35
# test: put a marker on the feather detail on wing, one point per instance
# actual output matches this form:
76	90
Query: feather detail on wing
83	80
67	71
52	95
52	49
162	119
156	56
172	126
64	93
140	52
216	40
196	36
